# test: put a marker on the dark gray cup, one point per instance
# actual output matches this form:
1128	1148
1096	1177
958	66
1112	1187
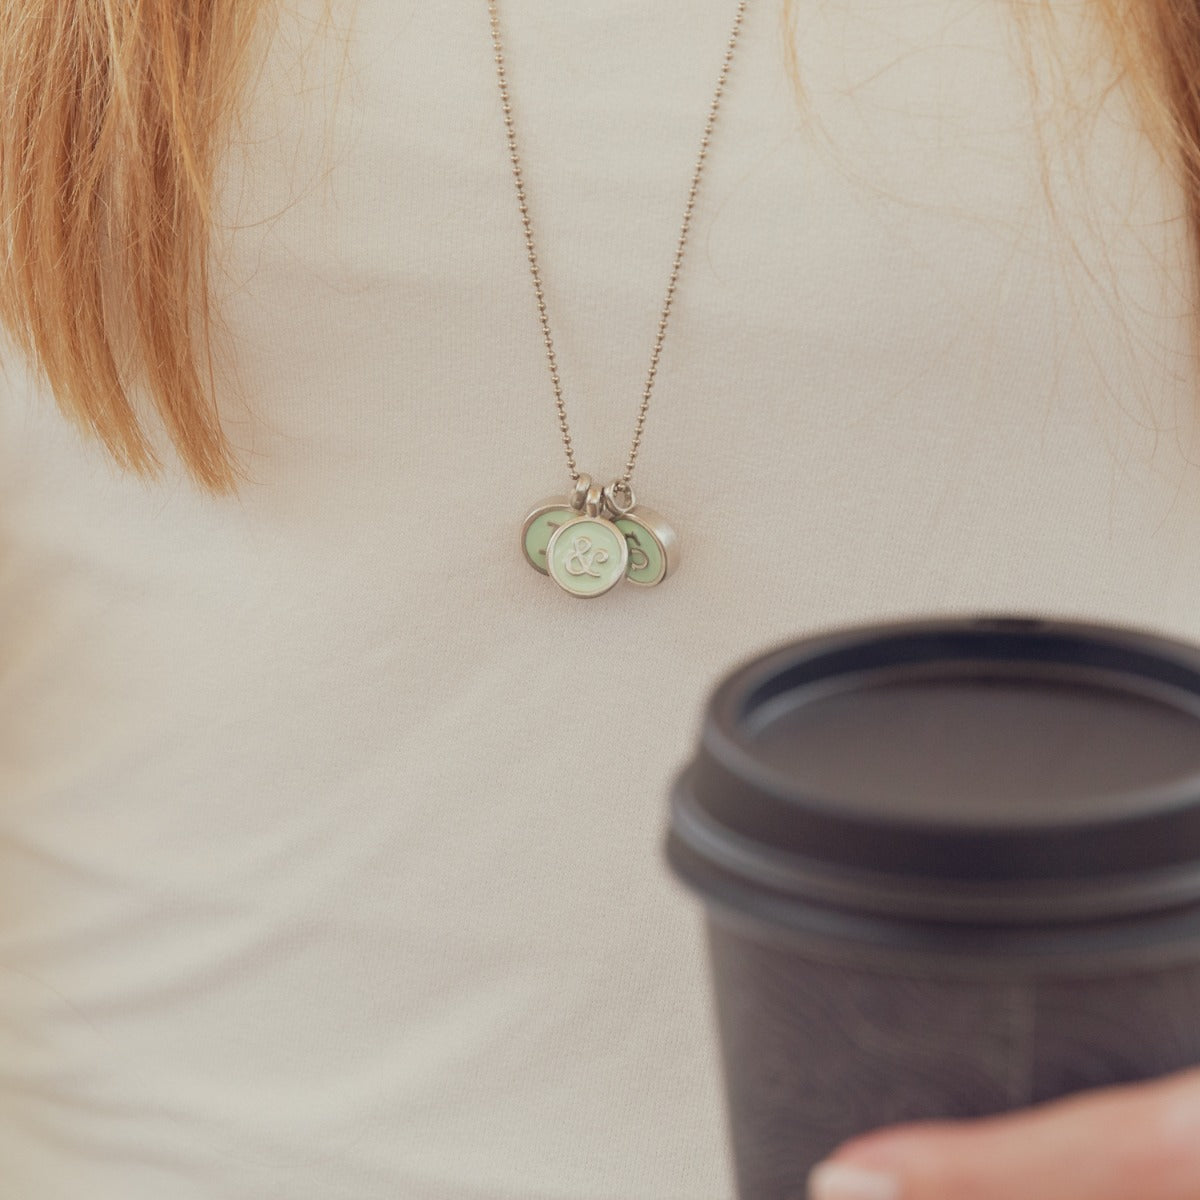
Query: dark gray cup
950	867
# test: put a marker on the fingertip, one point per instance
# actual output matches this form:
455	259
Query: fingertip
903	1162
845	1181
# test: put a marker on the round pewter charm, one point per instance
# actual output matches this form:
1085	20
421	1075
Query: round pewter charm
653	546
587	556
540	523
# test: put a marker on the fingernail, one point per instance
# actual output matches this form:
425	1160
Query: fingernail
837	1181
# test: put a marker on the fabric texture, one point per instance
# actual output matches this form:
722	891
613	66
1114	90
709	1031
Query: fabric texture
330	832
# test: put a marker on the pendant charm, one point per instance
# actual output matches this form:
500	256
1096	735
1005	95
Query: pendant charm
653	546
587	555
540	523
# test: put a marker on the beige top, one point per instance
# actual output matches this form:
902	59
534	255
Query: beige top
330	832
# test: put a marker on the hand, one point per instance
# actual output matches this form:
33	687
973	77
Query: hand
1124	1143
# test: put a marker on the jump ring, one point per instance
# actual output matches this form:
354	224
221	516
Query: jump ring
595	497
582	486
610	497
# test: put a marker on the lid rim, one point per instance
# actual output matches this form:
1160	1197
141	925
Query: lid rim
1155	831
1062	900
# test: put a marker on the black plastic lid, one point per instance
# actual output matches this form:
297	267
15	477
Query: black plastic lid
994	770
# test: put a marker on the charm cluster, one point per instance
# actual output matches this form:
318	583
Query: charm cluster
590	541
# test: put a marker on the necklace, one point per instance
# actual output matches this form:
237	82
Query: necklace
595	537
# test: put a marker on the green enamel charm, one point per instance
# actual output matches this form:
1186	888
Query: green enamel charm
653	547
587	556
540	523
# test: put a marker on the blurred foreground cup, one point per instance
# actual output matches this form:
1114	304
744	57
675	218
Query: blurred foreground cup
949	867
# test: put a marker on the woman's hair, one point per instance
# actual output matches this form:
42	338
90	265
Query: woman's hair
113	118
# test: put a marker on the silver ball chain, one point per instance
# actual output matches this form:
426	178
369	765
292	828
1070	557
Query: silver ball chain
623	483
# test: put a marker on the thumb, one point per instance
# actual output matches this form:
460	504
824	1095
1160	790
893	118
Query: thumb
1118	1143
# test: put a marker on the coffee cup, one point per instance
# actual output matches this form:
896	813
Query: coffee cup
950	867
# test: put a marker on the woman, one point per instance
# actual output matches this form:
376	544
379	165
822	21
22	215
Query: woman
330	828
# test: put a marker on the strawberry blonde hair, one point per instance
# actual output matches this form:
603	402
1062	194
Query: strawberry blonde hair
113	118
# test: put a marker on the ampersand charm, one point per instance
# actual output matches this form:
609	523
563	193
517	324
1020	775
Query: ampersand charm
587	555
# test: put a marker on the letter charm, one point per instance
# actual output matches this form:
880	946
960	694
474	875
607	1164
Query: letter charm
653	546
540	523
